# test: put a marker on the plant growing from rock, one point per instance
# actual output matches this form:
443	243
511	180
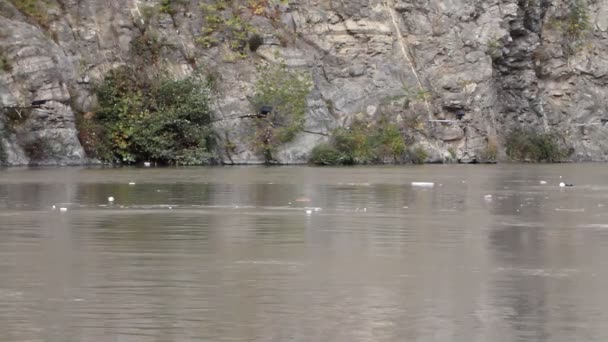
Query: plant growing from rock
577	19
35	10
286	92
146	47
158	119
418	155
5	65
224	24
361	143
495	48
527	144
490	153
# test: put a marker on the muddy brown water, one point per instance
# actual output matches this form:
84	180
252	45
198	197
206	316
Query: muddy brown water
305	254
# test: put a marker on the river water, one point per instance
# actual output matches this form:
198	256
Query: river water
305	254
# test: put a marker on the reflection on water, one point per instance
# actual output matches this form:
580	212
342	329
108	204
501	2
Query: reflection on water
231	254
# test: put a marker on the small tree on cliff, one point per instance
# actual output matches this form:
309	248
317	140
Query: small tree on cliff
159	119
285	91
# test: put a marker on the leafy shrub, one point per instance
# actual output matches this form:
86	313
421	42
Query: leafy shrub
452	152
166	7
418	155
326	154
90	134
147	47
577	19
163	120
221	25
531	145
285	91
35	10
361	143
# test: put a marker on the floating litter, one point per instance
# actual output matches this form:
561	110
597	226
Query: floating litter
562	184
308	212
543	182
54	207
423	184
364	209
487	197
63	210
406	207
318	209
131	183
147	164
576	210
110	199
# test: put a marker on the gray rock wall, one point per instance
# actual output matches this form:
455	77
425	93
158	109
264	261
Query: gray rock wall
502	63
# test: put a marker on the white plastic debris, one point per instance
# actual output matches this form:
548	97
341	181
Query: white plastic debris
63	210
308	212
147	164
131	183
318	209
487	198
562	184
365	209
54	207
423	184
542	182
110	199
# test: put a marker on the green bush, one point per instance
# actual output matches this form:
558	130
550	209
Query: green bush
531	145
326	154
577	20
221	24
286	92
361	143
418	155
163	120
166	7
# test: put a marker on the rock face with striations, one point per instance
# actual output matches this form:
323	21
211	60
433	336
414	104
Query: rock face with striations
418	63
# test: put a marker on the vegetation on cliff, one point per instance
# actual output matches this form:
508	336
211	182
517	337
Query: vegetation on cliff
527	144
162	120
285	91
362	143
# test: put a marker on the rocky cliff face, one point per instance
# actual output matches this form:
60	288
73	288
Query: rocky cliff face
419	63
